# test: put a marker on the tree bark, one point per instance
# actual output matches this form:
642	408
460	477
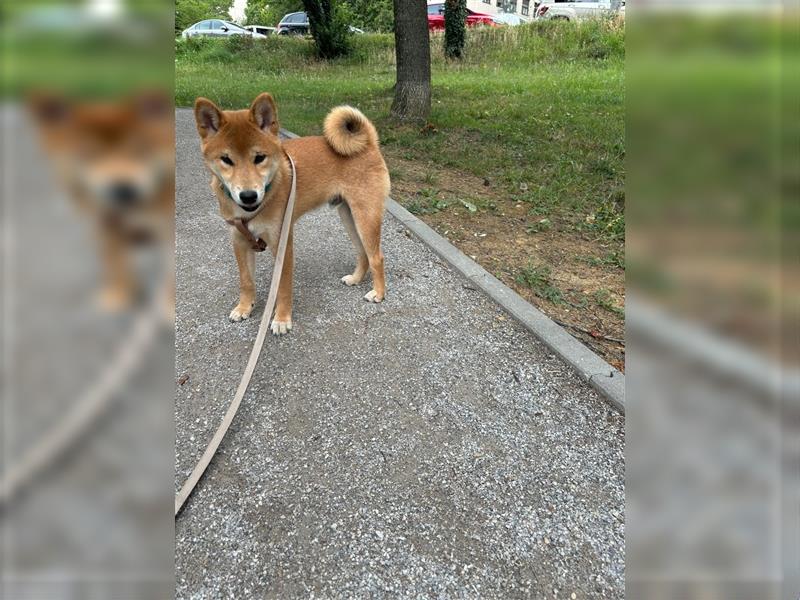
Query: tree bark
455	27
412	94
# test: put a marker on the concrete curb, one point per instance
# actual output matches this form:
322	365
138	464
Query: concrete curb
726	358
598	373
607	380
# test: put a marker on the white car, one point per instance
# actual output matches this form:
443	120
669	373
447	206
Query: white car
218	28
262	29
575	10
508	19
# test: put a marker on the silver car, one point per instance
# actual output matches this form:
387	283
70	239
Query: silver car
577	10
218	28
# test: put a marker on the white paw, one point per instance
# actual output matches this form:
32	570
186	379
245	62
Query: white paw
372	296
240	313
281	327
350	280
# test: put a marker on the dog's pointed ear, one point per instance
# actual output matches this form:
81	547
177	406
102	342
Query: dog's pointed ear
209	118
264	113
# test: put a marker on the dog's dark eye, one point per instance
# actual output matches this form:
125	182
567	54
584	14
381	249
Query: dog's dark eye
226	160
259	158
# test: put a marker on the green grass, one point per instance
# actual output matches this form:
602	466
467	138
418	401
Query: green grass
616	258
538	109
87	64
602	298
539	226
537	278
426	202
608	219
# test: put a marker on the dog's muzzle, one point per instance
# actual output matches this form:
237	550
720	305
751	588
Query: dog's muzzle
247	200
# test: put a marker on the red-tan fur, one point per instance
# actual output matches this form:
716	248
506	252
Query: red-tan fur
96	145
341	164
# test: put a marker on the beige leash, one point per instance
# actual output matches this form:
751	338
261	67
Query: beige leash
91	405
213	445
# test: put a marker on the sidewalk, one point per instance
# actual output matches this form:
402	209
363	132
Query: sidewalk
425	447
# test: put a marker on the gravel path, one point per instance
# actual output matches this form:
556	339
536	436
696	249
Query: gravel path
425	447
96	522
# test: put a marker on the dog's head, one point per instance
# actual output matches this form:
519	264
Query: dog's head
241	148
112	156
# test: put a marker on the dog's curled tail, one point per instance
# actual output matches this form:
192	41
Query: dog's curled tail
348	131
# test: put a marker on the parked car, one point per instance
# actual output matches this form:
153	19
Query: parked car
262	29
217	28
508	19
436	17
297	24
572	10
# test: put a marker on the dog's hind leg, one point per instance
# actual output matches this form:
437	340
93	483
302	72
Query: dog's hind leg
361	256
368	215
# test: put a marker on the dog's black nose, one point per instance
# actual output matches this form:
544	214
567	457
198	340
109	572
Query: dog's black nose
248	196
124	193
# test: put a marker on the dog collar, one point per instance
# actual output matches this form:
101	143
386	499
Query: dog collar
256	243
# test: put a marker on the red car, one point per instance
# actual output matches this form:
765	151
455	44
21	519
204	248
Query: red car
436	17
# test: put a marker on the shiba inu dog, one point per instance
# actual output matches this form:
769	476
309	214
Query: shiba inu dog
116	160
251	178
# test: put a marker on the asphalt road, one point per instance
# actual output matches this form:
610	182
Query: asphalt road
427	447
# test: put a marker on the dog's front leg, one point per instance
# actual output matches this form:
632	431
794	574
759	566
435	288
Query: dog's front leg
282	323
246	260
167	240
119	286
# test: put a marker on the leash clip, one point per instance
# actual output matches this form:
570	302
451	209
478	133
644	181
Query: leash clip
256	243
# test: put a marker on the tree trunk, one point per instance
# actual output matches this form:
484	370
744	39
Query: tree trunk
455	27
412	94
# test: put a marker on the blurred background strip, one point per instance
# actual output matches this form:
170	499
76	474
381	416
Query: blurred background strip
712	315
87	296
